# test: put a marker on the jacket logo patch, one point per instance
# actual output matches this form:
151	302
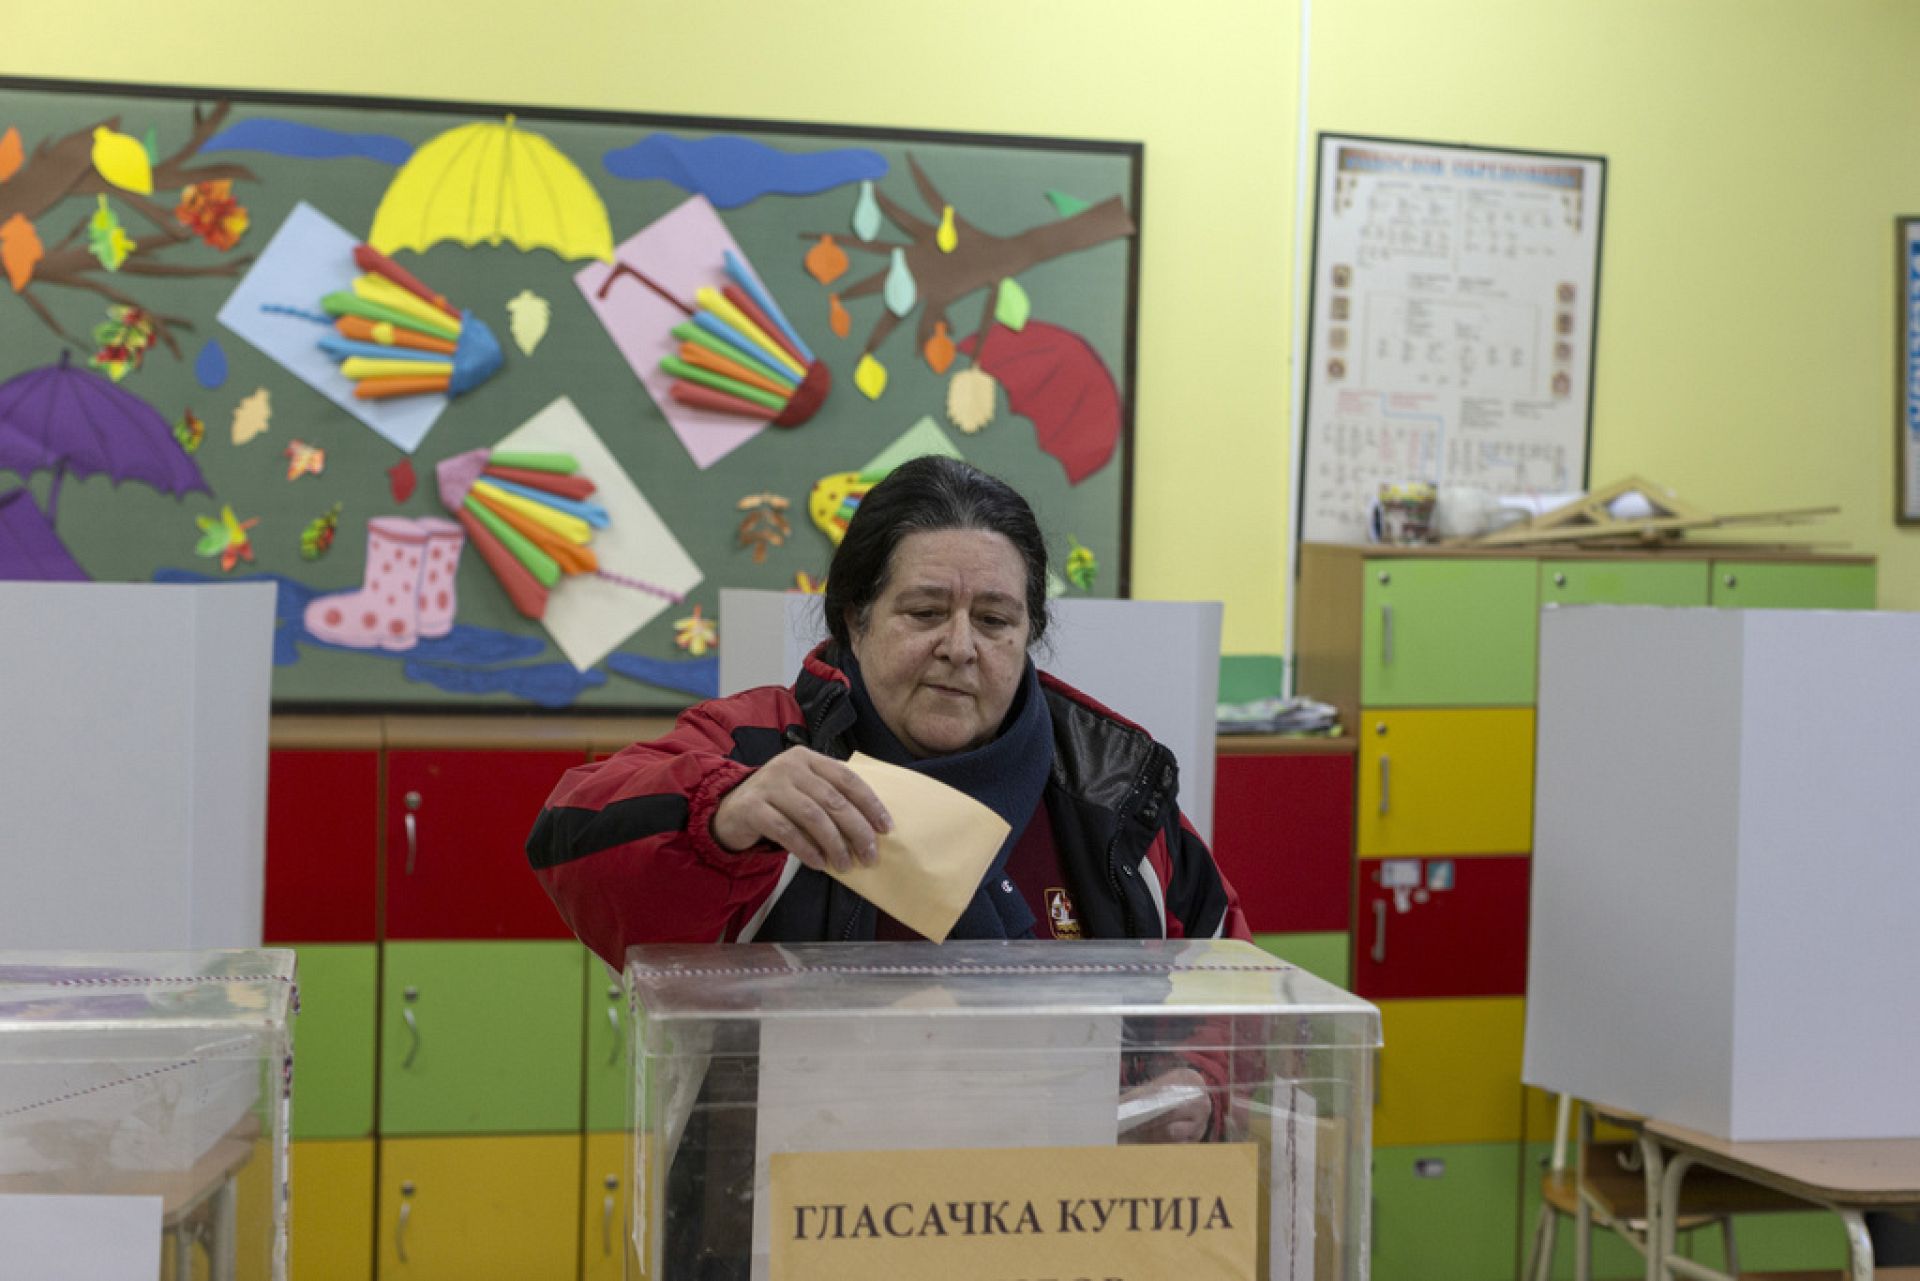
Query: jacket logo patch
1060	915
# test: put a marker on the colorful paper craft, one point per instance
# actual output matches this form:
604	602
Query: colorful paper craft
309	257
682	252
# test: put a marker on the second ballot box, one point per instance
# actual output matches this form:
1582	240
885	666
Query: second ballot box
1122	1110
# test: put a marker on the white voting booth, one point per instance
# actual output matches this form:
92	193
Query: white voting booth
1726	869
1157	663
133	764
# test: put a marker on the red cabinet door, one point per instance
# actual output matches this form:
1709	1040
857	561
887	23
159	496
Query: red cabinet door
1283	834
323	833
1442	927
457	824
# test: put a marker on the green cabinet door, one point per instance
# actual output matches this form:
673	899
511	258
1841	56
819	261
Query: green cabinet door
481	1038
1447	632
1321	955
1449	1212
1623	582
609	1083
1788	585
333	1040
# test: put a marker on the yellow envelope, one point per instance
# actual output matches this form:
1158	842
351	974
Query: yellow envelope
931	863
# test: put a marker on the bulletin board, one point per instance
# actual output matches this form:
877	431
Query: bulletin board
1455	299
501	397
1906	426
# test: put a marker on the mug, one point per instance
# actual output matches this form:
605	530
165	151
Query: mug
1402	514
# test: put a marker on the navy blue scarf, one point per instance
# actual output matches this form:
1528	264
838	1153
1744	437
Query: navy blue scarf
1006	774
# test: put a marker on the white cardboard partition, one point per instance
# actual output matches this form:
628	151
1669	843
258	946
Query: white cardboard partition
1157	663
133	763
1726	869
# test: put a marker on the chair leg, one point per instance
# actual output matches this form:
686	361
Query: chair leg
1539	1266
1732	1249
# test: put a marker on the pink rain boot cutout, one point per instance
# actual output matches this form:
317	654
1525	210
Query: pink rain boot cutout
385	612
444	541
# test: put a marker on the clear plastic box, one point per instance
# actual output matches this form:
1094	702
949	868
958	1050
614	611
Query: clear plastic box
131	1077
1124	1110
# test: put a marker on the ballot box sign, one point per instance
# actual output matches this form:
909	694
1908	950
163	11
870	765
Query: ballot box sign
1131	1213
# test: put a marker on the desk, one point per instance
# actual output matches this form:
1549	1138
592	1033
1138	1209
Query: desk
1844	1176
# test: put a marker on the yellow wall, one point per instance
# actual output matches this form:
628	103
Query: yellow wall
1759	151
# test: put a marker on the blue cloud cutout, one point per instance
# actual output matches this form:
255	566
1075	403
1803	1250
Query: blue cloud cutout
308	142
732	171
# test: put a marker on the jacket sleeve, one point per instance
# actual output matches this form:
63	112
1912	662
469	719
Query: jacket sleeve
624	847
1200	901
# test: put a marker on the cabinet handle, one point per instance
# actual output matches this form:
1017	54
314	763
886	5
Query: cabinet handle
1386	636
413	830
411	995
406	1212
1731	581
606	1215
613	1018
1386	784
1379	950
1559	580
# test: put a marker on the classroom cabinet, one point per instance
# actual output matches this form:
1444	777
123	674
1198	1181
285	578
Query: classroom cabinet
333	1040
1623	582
456	828
481	1037
608	1081
452	1209
1439	927
605	1205
1768	585
1445	633
1450	1071
323	831
1283	834
330	1209
1455	781
1324	955
1445	1212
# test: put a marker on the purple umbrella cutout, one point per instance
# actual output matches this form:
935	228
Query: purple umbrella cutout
29	549
63	418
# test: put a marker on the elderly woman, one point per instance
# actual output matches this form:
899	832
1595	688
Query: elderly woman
723	829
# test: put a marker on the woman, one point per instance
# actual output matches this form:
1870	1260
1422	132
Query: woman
723	829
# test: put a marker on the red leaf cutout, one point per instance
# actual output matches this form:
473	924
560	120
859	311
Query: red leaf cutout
1054	378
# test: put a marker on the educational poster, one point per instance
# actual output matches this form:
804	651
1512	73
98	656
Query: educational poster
1454	298
500	398
1907	427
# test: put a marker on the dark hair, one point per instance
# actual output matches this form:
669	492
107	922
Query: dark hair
926	495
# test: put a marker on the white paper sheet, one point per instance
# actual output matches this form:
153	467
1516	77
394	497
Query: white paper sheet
80	1238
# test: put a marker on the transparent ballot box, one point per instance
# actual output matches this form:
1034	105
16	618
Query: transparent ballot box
144	1102
1125	1111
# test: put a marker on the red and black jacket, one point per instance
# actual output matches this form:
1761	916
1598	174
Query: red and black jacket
625	850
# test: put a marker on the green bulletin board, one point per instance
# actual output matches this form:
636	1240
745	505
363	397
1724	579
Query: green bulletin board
167	411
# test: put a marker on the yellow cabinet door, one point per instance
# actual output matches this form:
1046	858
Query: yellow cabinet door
1450	1071
330	1211
1450	781
469	1209
605	1203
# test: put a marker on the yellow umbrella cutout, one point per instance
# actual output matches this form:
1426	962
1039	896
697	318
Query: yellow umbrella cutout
488	182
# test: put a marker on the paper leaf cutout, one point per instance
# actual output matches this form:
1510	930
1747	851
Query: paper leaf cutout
870	377
939	349
948	236
304	459
225	536
401	481
316	540
826	261
1082	566
866	213
190	431
121	341
122	161
899	292
151	141
209	210
696	634
1067	206
837	317
20	250
970	399
1059	382
251	416
1013	306
528	315
11	153
107	240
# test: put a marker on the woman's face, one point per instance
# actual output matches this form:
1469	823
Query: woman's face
945	643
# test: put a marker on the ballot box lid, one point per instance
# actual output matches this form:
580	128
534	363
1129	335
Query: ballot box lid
41	992
1213	977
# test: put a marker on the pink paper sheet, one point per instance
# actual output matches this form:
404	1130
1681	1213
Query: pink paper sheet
680	251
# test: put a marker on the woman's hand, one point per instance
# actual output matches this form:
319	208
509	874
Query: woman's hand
1185	1122
810	805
